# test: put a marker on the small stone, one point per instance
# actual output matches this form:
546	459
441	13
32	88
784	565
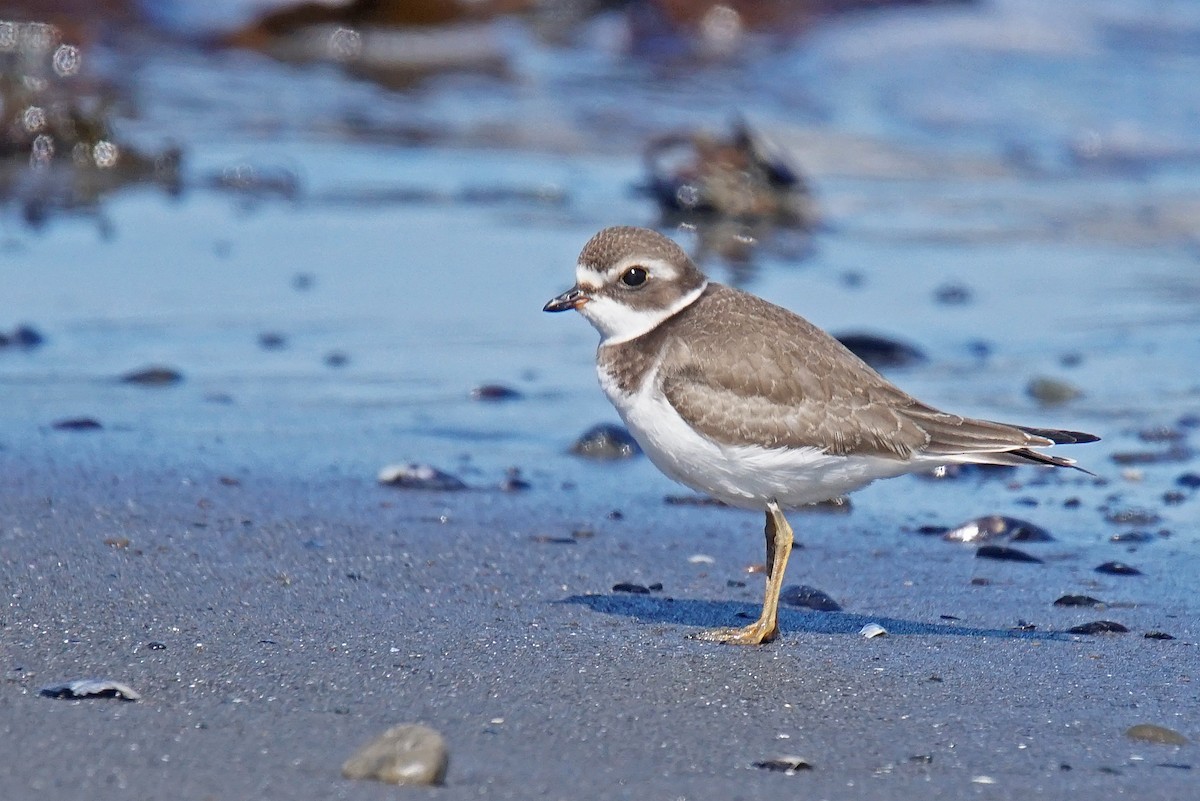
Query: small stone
155	645
409	754
302	282
336	358
272	340
495	392
1174	497
1151	733
1158	635
119	543
420	477
153	377
1132	517
1079	600
1188	480
1098	627
952	294
90	688
881	352
1005	554
1052	391
808	597
997	527
77	424
692	500
1175	453
787	765
1118	569
23	336
605	442
630	587
513	482
872	630
1135	537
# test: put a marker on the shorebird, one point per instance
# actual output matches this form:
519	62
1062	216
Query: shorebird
751	404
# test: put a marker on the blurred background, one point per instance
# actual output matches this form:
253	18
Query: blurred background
327	229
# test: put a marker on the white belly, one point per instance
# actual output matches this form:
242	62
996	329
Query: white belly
748	476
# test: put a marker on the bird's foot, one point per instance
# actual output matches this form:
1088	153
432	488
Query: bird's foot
757	633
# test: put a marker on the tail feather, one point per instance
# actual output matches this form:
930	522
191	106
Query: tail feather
1059	436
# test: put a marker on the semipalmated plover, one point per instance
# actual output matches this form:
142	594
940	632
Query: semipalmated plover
755	406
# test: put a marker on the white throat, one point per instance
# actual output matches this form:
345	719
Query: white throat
619	323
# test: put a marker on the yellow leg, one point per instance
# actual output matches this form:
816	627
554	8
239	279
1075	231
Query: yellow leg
766	628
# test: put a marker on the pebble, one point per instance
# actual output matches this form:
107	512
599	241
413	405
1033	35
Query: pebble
1175	453
272	340
1189	480
1052	391
1132	517
153	377
692	500
90	688
420	477
952	294
513	482
408	754
605	442
997	527
77	424
494	392
1098	627
1118	569
787	765
1005	554
881	352
630	587
872	630
336	358
23	336
808	597
1151	733
1079	600
1135	537
1158	635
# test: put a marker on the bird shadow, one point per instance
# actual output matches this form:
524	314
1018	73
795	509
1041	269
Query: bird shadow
712	614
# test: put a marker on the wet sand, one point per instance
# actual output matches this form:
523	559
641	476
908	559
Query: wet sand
300	618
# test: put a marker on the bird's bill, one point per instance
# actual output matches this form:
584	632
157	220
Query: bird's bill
573	298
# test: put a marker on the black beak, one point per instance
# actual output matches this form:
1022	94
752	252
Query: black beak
573	298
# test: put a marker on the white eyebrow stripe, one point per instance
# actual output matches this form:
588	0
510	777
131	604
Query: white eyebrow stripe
588	279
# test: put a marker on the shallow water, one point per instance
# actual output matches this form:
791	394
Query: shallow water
1044	156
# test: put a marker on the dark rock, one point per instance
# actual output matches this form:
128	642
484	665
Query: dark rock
1173	454
409	754
302	282
807	597
155	645
1161	434
77	424
1072	503
1137	537
90	688
513	482
952	294
1118	569
997	527
881	352
932	531
1188	480
606	442
272	340
23	336
153	377
1098	627
1052	391
336	358
1079	600
693	500
1158	635
1004	553
655	587
635	589
1024	625
788	765
495	392
420	477
1174	497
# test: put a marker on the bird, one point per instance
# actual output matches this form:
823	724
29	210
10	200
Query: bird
751	404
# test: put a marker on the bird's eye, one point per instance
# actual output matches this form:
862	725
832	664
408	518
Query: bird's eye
634	276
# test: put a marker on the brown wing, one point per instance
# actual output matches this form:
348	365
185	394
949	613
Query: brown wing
796	386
